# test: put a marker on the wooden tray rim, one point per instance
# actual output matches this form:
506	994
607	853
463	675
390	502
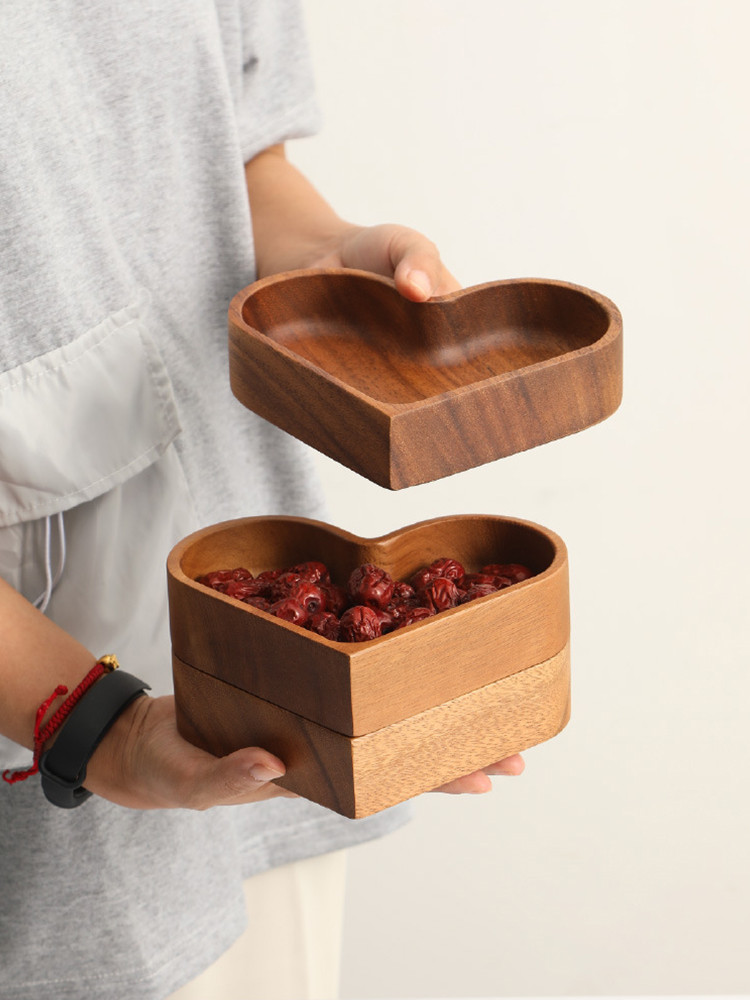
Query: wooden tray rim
174	568
613	331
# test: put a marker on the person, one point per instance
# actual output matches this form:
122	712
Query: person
134	137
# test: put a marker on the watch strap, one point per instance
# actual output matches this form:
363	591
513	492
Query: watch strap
63	766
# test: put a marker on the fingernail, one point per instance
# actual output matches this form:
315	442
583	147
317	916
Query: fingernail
420	283
262	773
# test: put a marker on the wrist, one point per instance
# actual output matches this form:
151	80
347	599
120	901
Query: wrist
323	248
64	765
79	725
111	767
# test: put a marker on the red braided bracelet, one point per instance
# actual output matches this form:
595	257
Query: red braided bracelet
43	732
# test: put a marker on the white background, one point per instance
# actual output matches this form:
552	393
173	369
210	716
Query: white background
606	143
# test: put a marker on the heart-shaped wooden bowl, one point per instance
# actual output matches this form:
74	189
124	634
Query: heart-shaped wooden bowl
446	695
406	393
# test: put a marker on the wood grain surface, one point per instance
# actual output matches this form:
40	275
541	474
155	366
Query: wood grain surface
358	776
405	393
355	688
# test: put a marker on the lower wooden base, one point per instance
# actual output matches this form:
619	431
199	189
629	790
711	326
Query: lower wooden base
358	776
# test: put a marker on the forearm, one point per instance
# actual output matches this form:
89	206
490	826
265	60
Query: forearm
293	225
36	656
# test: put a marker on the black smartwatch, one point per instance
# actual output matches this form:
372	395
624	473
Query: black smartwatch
63	766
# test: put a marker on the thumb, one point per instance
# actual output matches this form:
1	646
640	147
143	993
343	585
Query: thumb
246	775
419	272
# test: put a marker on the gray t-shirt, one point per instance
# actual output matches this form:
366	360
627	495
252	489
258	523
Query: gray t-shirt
124	233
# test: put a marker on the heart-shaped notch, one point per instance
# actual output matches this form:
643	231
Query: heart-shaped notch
406	393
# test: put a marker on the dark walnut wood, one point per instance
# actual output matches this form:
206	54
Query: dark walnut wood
355	688
406	393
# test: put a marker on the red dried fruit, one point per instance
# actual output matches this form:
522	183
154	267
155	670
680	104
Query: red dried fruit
337	599
258	602
403	592
359	624
423	578
241	589
514	571
326	624
312	572
269	575
309	596
371	585
284	585
216	580
440	595
374	603
472	579
387	622
398	609
266	579
289	611
446	568
475	591
412	615
221	575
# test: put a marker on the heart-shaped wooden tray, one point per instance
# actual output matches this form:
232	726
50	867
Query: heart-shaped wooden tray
452	693
406	393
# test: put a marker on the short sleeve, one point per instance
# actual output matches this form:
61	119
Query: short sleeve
276	101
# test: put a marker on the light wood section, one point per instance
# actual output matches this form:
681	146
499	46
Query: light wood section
363	775
406	393
355	688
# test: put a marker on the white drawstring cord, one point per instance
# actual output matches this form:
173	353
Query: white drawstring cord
51	582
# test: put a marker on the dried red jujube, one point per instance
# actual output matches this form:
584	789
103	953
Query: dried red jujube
312	572
284	585
326	624
266	580
387	622
476	590
290	611
515	572
402	592
258	602
448	569
412	615
370	585
472	579
216	580
337	599
309	596
359	624
374	603
241	589
440	595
